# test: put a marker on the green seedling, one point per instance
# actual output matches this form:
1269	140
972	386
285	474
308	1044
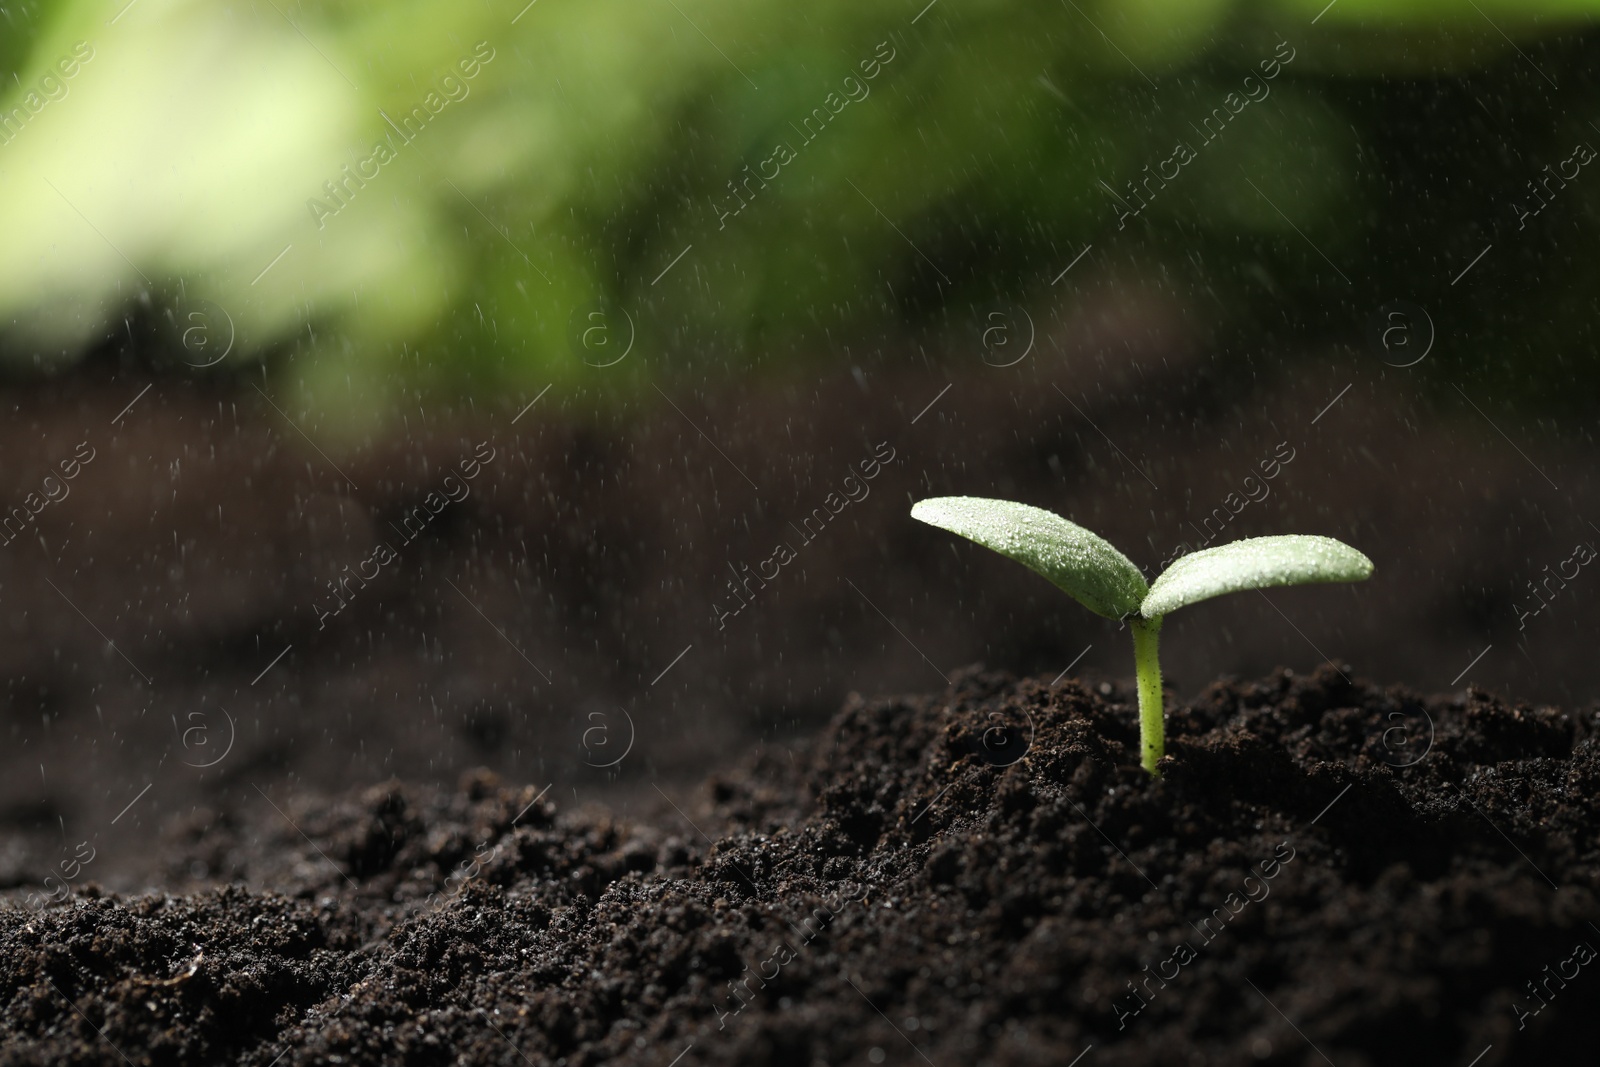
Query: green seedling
1091	571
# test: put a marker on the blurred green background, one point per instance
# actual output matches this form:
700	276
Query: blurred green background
574	195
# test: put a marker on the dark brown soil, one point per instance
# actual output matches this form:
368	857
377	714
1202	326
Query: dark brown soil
595	546
980	876
166	644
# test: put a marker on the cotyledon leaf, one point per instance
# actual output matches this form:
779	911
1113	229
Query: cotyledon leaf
1254	563
1082	564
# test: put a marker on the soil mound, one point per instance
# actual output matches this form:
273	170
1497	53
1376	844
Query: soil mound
1328	871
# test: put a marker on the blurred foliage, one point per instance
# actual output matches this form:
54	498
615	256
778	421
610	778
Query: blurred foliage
579	192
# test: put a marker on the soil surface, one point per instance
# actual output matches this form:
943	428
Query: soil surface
173	638
1328	871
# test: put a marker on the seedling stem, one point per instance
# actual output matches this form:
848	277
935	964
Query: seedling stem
1147	668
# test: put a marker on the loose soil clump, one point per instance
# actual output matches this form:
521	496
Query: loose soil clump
1327	871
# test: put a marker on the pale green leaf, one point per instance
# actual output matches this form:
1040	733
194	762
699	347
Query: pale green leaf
1254	563
1082	564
